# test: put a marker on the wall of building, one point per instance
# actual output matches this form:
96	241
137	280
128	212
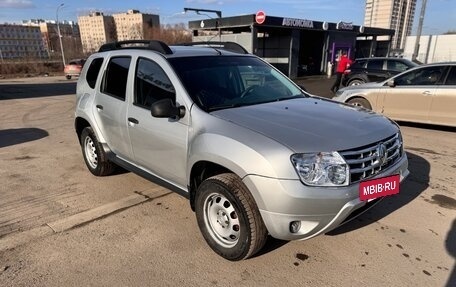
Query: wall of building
17	41
432	49
244	39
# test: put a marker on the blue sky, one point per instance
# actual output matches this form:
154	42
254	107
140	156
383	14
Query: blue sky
440	14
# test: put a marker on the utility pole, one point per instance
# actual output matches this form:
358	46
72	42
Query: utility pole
418	32
58	31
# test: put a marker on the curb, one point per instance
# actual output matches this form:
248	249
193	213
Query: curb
16	239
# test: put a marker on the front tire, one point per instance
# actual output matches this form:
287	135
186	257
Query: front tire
360	102
94	154
356	82
228	217
68	77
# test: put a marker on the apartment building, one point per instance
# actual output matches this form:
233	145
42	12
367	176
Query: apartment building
96	29
17	41
134	25
71	39
391	14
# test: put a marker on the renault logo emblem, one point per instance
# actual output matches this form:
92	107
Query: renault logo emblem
381	154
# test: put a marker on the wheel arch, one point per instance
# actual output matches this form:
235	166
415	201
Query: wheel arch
201	171
80	124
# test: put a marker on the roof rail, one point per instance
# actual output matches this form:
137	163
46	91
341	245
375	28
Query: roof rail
153	45
228	46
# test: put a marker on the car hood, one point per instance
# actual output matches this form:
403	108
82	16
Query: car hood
312	124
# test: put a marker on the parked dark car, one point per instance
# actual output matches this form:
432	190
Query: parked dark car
365	70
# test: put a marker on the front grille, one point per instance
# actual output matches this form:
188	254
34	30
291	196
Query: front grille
367	161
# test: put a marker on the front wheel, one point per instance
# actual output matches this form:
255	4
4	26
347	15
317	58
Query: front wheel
356	82
68	77
360	102
94	154
228	217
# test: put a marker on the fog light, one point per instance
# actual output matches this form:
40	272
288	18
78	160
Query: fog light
295	226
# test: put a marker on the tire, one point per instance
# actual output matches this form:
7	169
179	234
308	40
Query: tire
94	154
228	217
68	77
356	82
360	102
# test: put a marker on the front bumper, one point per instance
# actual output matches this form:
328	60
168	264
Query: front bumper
318	209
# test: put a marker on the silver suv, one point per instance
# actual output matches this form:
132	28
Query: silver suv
253	152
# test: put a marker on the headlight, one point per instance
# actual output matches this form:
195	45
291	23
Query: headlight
321	169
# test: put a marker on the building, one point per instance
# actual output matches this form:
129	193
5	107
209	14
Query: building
432	48
71	38
96	29
134	25
17	41
391	14
295	46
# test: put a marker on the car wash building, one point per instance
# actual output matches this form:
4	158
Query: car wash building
297	47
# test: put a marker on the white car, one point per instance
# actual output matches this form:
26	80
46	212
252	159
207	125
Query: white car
425	94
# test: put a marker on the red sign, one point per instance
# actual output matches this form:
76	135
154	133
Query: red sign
260	17
379	187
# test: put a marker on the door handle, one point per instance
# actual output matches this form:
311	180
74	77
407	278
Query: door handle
99	107
133	121
427	93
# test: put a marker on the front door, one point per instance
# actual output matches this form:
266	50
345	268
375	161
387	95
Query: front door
159	144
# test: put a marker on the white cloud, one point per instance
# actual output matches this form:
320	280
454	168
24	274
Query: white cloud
16	4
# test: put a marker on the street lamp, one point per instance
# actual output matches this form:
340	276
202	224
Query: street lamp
219	15
58	31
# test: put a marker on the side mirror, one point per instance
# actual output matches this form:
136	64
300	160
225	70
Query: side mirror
167	109
391	83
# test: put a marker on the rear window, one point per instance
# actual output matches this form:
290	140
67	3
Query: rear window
375	65
115	78
93	71
358	64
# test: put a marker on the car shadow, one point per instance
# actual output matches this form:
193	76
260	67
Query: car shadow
24	90
11	137
428	126
411	188
450	244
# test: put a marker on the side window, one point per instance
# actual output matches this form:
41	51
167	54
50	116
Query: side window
93	71
421	77
375	65
151	84
115	77
393	65
451	79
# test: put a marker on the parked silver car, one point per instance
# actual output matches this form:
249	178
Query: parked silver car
253	153
425	94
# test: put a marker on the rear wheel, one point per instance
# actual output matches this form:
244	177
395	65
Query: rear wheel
94	154
228	217
356	82
360	102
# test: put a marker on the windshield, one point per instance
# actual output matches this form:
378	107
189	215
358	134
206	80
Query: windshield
220	82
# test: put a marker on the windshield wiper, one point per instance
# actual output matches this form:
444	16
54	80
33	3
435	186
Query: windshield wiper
292	97
222	107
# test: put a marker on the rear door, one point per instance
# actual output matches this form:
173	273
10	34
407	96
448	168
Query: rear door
375	70
111	108
443	107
